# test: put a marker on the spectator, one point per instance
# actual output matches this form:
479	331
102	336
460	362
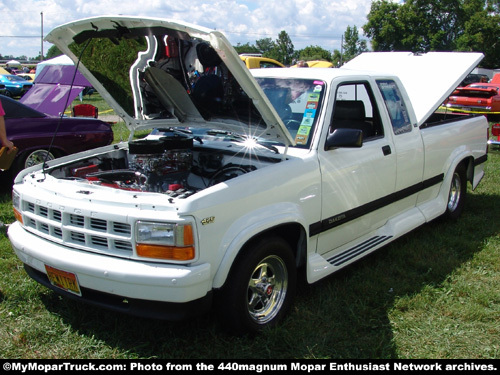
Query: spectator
3	133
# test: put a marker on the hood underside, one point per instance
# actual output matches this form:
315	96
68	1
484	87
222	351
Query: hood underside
158	73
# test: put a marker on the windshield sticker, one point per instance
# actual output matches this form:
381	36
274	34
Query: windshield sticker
313	97
309	115
312	105
302	135
304	130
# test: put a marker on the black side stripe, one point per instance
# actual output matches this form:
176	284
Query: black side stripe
353	252
342	218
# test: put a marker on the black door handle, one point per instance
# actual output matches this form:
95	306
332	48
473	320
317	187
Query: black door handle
386	150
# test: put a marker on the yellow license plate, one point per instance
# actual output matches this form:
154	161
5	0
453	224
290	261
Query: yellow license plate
64	280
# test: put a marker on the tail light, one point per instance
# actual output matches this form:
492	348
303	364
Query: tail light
495	130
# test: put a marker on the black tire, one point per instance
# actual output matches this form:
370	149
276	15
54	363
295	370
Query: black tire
457	194
260	288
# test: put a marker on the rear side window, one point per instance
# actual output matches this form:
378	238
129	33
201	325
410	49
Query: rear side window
395	105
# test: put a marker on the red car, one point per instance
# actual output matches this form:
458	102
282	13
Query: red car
478	98
35	133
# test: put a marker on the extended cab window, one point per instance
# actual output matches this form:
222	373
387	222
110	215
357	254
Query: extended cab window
396	106
355	109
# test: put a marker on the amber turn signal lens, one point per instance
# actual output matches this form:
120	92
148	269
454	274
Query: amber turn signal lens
18	216
165	252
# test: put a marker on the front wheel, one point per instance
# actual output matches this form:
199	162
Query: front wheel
260	288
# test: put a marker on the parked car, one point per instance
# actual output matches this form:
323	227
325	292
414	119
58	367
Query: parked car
15	85
257	62
474	78
317	64
32	131
27	76
477	98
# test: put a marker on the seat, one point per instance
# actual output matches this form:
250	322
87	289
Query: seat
350	114
85	110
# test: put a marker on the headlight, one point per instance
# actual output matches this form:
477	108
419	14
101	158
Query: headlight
165	241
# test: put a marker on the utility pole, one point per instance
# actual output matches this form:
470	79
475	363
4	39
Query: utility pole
342	50
41	38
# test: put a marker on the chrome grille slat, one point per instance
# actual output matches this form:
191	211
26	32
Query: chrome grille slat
79	231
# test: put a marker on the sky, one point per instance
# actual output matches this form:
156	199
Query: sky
314	22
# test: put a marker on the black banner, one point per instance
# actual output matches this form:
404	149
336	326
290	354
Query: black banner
248	366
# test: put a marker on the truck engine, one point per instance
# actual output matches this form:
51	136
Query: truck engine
174	164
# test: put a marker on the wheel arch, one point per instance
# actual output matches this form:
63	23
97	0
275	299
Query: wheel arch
294	233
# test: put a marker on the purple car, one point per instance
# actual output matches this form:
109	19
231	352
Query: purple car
33	132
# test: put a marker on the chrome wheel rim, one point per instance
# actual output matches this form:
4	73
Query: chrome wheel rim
267	289
37	157
455	192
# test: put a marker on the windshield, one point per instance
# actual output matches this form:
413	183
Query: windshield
485	87
297	102
13	78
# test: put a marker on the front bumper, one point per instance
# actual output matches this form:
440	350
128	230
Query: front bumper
116	283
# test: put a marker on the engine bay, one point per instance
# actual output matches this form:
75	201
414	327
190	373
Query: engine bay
171	163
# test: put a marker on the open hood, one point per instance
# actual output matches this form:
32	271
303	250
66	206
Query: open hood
55	87
160	73
428	78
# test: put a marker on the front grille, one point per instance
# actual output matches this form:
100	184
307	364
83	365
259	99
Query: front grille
78	231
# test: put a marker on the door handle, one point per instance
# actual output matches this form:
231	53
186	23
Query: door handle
386	150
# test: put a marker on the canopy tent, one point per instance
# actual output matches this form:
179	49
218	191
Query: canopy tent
13	63
59	60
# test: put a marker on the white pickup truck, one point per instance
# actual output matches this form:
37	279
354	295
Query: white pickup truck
247	178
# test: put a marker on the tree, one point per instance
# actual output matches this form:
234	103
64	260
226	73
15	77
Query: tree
436	25
53	52
385	27
246	48
314	53
283	50
352	45
265	45
481	34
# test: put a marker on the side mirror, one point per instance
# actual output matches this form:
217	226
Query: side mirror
344	138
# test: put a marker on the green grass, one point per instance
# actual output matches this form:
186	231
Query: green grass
432	294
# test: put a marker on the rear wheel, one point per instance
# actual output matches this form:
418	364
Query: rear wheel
260	288
456	196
